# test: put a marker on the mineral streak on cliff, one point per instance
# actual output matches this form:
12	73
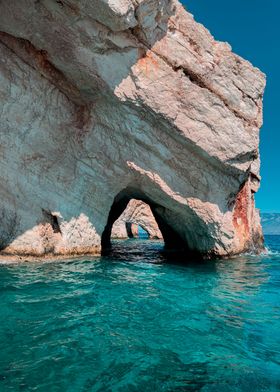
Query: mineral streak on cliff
105	101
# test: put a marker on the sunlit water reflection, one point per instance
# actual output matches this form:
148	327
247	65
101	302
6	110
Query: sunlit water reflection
132	321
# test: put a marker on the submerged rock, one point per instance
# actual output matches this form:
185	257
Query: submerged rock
105	101
137	213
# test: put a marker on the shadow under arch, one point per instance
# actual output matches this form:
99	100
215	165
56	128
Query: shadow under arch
172	240
129	229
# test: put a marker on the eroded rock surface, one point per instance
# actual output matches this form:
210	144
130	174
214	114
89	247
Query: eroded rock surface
137	213
104	101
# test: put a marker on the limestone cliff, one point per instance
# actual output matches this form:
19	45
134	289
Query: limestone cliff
137	213
108	100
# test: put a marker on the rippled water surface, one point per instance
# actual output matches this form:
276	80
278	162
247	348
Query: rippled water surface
133	322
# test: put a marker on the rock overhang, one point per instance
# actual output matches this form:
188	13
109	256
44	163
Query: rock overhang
150	97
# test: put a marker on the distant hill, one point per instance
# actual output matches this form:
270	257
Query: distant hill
271	222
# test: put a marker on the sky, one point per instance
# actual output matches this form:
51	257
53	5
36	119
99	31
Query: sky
252	28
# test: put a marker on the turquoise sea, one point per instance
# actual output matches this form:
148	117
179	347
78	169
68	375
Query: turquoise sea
136	321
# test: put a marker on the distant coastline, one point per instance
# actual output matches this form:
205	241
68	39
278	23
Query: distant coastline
271	223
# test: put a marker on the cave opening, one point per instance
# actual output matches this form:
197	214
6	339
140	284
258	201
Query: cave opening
142	233
131	230
127	221
136	222
123	229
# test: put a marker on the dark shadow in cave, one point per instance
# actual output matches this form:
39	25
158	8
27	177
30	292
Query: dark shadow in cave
128	226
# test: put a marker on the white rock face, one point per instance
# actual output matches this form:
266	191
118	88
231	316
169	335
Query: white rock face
137	213
105	101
